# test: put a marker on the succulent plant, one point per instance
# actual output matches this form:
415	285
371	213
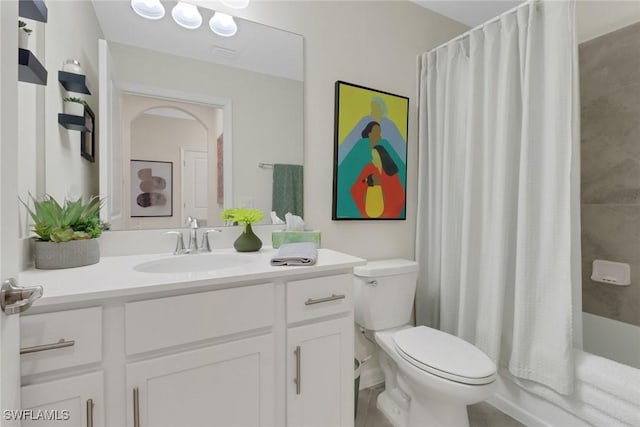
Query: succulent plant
74	220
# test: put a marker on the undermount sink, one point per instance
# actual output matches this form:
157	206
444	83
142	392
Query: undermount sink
194	263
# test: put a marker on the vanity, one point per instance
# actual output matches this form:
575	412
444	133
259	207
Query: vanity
122	343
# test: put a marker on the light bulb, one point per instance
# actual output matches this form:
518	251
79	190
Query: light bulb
186	15
150	9
223	24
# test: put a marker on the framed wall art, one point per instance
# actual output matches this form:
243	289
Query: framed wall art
88	136
370	154
151	188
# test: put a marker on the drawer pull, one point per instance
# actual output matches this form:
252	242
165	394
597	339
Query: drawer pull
333	297
36	348
90	413
298	354
136	407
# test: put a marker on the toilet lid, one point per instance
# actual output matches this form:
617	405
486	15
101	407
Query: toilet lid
445	355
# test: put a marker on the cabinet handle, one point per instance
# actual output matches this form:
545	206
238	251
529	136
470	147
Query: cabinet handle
136	407
36	348
297	352
333	297
90	413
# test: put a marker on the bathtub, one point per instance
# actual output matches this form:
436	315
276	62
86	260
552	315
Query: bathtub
611	339
607	389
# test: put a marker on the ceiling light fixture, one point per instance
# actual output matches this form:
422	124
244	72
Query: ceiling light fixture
236	4
223	24
186	15
150	9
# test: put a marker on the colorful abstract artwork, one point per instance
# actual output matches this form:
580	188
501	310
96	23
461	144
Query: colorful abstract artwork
370	154
151	188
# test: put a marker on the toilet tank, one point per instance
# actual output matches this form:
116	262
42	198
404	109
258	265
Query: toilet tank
383	293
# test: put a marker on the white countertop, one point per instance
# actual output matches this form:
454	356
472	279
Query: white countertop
115	277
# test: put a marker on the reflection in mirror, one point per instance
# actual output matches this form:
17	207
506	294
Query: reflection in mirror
186	137
253	79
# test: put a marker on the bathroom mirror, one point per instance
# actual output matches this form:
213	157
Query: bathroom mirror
252	81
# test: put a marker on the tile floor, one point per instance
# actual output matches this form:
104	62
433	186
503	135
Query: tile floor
480	415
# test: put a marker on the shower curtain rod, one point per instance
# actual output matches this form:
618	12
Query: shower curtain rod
477	27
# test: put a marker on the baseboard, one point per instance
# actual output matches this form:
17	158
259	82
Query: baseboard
371	377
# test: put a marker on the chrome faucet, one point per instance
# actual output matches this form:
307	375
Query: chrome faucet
192	248
192	223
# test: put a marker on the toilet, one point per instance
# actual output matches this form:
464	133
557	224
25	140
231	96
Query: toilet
430	376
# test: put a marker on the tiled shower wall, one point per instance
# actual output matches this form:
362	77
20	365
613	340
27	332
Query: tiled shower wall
610	116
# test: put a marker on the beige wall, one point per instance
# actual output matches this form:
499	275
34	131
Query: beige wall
610	98
374	44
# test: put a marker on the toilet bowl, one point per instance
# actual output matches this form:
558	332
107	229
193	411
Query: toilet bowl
430	376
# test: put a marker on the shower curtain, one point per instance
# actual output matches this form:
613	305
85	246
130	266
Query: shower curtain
498	237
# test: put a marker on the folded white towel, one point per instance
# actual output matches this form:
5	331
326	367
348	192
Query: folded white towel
304	253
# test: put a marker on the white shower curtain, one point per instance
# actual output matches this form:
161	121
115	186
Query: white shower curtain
498	237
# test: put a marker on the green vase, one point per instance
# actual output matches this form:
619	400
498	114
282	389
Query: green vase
247	241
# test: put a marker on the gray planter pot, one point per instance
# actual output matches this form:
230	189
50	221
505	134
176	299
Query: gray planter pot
75	253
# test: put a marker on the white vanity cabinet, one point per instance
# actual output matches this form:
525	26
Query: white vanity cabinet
320	364
273	348
76	401
230	383
63	341
224	385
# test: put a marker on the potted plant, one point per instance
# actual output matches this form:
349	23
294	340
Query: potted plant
23	35
66	234
74	106
248	241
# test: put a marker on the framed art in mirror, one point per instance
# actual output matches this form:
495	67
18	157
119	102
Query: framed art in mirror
370	154
151	188
87	137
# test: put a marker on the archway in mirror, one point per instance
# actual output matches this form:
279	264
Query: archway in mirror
173	163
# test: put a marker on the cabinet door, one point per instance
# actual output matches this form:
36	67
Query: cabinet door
320	374
230	384
74	401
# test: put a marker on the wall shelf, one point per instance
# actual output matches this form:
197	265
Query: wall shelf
73	82
30	70
33	9
71	122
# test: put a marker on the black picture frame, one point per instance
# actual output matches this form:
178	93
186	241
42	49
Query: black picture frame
363	191
88	136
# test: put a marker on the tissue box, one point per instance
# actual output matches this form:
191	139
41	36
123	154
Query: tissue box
280	237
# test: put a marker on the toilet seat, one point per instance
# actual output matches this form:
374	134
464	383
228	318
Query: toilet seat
444	355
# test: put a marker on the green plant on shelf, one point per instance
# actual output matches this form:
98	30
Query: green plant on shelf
75	99
23	26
